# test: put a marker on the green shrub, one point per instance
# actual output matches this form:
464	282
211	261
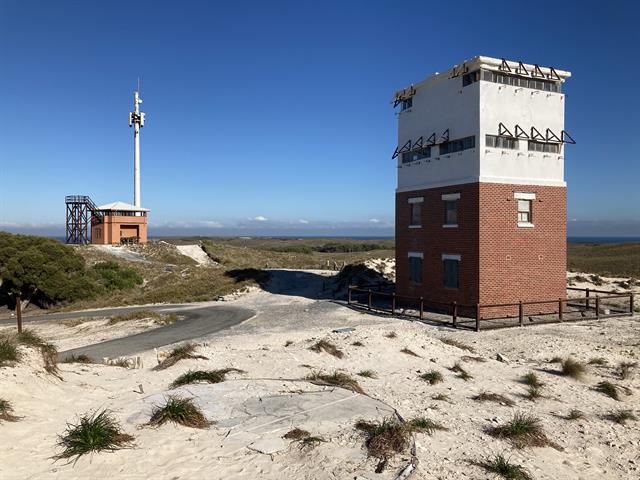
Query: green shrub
114	277
42	270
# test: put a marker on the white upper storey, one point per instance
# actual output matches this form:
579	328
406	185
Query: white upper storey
520	104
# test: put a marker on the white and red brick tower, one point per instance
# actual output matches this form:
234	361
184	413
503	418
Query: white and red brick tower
481	197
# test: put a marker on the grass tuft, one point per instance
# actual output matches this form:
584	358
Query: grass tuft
442	397
6	411
407	351
288	343
391	335
532	380
493	397
357	343
296	434
432	376
609	389
501	466
556	360
573	368
8	351
182	352
622	416
325	346
627	369
309	442
533	393
178	410
575	414
460	370
204	376
93	433
81	358
523	431
598	361
392	436
338	379
368	374
458	344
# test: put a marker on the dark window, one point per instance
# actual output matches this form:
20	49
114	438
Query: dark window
406	103
451	268
517	81
459	145
408	157
469	78
451	212
416	214
501	142
415	269
543	147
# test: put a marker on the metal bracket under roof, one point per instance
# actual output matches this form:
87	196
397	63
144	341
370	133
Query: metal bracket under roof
504	131
403	95
504	66
563	138
551	137
536	135
432	139
537	72
522	70
445	136
520	133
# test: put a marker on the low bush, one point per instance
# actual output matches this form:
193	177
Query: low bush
432	376
114	277
338	379
183	352
501	466
523	431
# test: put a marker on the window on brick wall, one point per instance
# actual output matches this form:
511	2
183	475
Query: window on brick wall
451	269
415	212
524	203
450	201
524	211
415	267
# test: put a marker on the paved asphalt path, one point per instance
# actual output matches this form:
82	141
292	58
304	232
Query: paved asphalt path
197	322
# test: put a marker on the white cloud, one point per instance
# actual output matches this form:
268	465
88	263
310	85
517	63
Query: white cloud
259	218
374	220
303	221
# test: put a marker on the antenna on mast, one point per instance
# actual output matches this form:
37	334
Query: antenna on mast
136	120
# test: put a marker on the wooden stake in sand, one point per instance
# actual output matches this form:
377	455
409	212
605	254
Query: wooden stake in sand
19	312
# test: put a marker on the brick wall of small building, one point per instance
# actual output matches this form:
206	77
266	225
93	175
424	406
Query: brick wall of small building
501	262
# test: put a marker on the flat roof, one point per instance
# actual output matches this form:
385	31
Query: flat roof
121	207
486	62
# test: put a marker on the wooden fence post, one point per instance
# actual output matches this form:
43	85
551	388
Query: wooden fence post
477	317
520	314
454	315
393	304
560	309
370	294
421	307
631	303
349	297
587	302
597	307
19	313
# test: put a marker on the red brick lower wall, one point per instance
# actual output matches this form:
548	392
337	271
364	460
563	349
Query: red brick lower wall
500	262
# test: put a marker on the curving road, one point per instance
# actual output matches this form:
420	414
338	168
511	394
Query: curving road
198	322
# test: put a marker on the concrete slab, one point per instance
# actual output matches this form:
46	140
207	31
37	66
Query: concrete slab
255	414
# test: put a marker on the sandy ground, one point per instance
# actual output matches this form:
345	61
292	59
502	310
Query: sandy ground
196	253
590	448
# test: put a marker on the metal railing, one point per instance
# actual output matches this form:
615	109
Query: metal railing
595	304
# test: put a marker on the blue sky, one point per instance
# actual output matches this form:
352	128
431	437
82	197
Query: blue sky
274	117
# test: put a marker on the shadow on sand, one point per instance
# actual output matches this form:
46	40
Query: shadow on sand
291	282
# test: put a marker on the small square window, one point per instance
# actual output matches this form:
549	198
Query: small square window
451	212
451	269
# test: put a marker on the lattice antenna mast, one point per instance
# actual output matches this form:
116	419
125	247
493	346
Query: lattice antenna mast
136	119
